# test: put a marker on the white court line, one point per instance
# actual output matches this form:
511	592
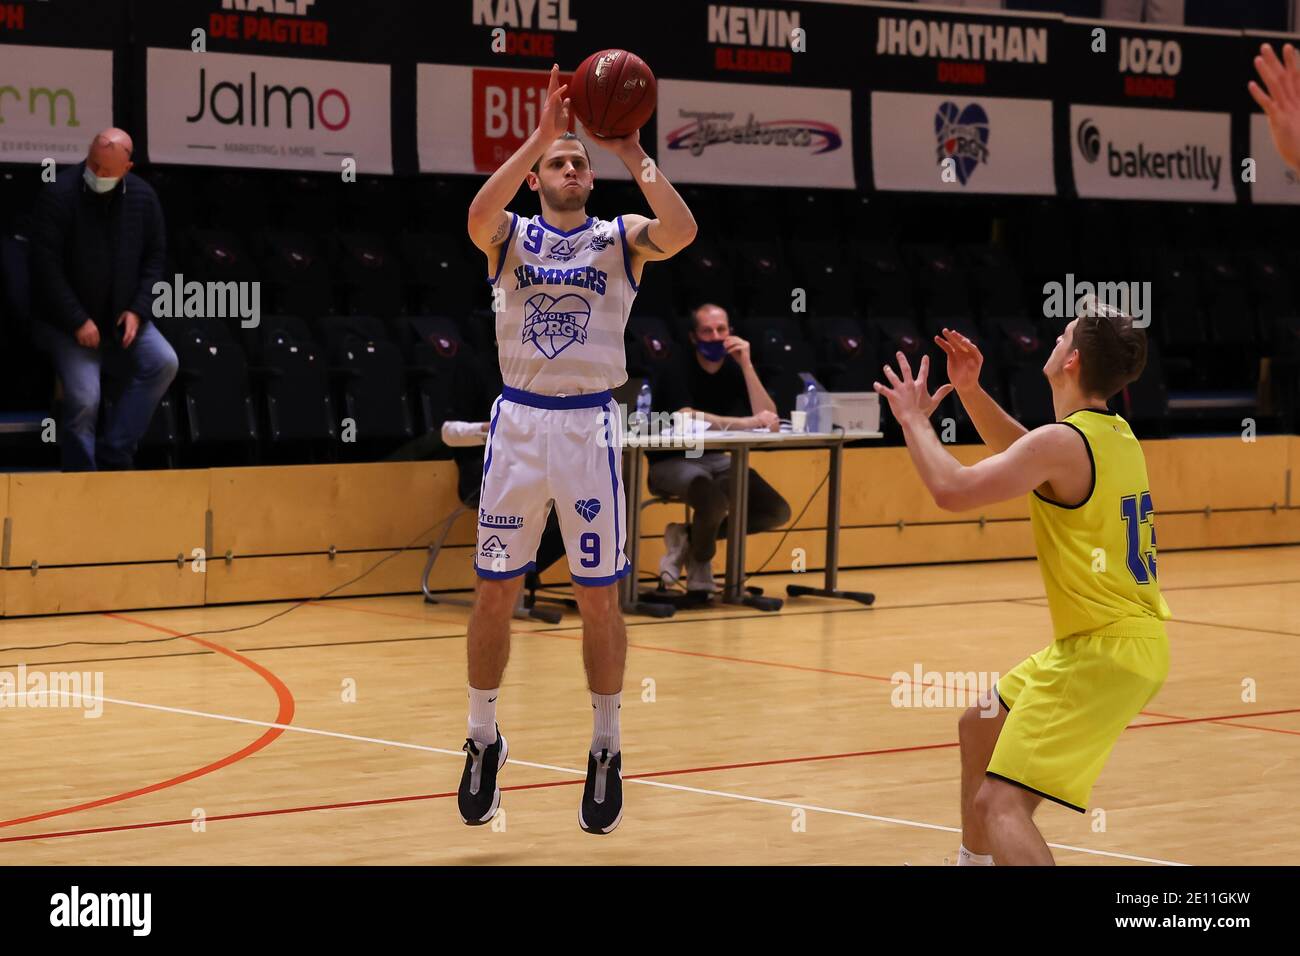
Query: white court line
582	773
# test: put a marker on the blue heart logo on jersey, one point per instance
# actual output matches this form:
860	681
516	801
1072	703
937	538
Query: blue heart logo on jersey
963	136
588	509
554	324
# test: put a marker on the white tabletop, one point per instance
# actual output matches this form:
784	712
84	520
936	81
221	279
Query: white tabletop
723	439
719	439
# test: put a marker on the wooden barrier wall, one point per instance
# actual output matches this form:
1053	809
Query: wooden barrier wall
95	542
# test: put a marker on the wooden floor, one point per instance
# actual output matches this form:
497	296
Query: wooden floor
770	739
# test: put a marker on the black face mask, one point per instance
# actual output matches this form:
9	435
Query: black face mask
713	351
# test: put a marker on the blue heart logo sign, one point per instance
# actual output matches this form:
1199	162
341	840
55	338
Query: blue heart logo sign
554	324
963	136
588	509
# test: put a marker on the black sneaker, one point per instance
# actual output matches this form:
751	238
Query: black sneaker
602	797
479	794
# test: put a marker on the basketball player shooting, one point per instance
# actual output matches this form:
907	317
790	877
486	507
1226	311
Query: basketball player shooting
563	283
1063	708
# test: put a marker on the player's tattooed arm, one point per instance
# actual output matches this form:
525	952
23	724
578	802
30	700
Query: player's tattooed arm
502	230
644	241
649	247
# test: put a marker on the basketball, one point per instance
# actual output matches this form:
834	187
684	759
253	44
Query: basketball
613	93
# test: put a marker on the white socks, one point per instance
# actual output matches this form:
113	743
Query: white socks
483	716
966	858
604	734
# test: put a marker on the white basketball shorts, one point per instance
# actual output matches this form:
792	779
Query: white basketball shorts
544	450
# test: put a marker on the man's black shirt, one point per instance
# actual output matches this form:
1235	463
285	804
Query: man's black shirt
686	384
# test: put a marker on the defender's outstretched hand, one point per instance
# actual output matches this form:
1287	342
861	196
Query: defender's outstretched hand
1281	104
910	397
964	359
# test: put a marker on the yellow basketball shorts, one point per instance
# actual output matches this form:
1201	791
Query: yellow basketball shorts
1067	705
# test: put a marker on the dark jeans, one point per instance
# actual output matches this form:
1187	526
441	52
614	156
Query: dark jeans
141	375
702	484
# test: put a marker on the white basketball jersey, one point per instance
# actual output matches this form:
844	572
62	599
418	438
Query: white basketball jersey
566	297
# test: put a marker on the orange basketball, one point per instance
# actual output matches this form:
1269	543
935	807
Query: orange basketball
613	92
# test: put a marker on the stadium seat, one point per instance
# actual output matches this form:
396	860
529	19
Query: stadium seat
820	269
779	353
650	346
233	200
308	202
762	272
884	284
440	274
372	204
299	407
441	363
945	296
213	383
299	278
655	290
1031	397
371	277
847	360
703	275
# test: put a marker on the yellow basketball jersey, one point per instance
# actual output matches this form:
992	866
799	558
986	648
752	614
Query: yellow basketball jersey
1099	558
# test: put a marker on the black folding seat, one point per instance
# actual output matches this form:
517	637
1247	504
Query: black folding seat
883	281
821	270
440	275
441	363
847	360
815	215
648	341
946	298
213	382
655	290
779	353
762	273
1031	397
1145	403
298	275
371	375
308	202
702	274
234	200
371	277
372	204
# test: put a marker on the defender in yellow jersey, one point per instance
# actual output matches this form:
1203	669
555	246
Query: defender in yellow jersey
1092	513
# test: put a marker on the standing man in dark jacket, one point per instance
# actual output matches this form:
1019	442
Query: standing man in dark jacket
97	250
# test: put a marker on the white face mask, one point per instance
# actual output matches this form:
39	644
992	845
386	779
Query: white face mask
100	184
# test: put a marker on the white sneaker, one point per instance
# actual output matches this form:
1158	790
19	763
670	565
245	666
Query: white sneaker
699	576
675	545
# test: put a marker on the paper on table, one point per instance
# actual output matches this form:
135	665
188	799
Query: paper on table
690	426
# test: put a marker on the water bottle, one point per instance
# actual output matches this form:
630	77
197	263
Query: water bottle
639	421
812	401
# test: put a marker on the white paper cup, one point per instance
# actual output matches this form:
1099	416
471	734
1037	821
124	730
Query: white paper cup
798	421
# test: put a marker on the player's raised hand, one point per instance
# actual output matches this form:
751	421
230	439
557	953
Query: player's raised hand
554	121
910	398
1281	104
964	359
